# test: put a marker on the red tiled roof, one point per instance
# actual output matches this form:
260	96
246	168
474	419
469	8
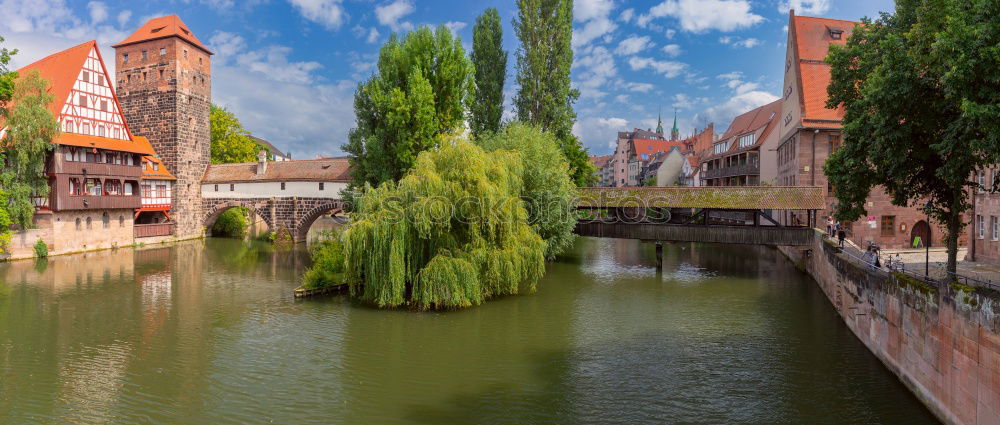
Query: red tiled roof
600	161
812	43
329	169
753	120
651	147
60	70
148	172
163	27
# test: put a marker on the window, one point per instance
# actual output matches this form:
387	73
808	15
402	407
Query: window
100	80
75	188
81	100
995	227
888	225
143	75
163	51
101	131
185	53
93	187
980	227
788	92
981	179
320	185
121	221
85	76
147	191
788	118
104	105
836	34
216	188
69	126
125	58
143	55
89	223
232	187
747	140
78	223
199	63
282	185
834	143
161	74
105	220
127	189
113	187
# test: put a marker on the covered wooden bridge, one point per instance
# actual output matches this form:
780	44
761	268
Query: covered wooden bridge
763	215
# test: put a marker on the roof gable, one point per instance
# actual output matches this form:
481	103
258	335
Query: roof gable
163	27
812	38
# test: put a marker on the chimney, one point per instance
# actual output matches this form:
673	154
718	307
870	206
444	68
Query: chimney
261	163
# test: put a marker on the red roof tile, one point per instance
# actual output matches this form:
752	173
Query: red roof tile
148	171
651	147
813	37
330	169
163	27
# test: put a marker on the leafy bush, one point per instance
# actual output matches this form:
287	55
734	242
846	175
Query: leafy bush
41	249
232	223
328	264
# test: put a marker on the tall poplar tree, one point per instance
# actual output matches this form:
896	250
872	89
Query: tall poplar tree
921	89
490	60
420	90
545	97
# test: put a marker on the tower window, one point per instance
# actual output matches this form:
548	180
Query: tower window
163	51
144	55
199	61
232	187
125	58
143	75
161	74
320	185
185	53
282	185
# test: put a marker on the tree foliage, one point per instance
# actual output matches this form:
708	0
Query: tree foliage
31	127
232	223
452	233
328	267
419	91
544	60
490	61
921	90
6	78
548	192
231	143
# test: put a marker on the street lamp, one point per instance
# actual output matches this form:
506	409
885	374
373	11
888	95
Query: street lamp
927	247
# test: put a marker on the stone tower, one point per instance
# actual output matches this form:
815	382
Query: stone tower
164	77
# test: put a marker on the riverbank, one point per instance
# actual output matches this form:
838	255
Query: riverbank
942	342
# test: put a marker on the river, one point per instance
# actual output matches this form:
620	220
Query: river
208	332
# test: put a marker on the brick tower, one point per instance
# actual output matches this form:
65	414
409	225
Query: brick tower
165	89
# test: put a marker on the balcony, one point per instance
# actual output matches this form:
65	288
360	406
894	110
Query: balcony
96	169
733	171
63	202
156	229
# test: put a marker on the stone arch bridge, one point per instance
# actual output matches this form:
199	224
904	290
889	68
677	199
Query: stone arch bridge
287	195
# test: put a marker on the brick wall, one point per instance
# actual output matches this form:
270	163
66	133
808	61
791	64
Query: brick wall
293	214
987	248
941	342
166	97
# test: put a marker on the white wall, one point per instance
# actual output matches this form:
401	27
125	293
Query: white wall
273	190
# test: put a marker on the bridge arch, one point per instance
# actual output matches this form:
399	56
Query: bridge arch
259	208
309	217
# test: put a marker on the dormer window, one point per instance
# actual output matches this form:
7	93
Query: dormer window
836	33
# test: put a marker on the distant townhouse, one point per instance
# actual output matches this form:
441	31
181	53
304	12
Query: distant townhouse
984	233
273	153
691	171
743	155
809	132
600	163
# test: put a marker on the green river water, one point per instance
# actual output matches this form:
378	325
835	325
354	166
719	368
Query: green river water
207	332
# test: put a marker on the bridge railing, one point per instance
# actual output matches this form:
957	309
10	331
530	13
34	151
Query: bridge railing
712	197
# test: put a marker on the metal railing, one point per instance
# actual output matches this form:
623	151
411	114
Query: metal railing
901	268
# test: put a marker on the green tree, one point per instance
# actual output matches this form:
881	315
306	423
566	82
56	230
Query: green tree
31	128
549	193
921	94
232	223
231	143
6	79
490	60
420	91
544	60
452	233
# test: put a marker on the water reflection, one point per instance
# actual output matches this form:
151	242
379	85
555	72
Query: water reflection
207	332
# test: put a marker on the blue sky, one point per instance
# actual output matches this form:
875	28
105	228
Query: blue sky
288	68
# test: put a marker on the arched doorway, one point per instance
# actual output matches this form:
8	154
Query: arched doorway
922	230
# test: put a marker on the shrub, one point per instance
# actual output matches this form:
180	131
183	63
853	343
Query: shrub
41	249
232	223
328	264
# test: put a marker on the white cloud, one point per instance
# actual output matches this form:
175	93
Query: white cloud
597	133
329	13
373	35
270	62
123	17
226	45
632	45
670	69
670	34
639	87
98	12
455	26
594	14
805	7
735	75
390	14
598	69
627	15
622	98
723	113
737	42
699	16
672	50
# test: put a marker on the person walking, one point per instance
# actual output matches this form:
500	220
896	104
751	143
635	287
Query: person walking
829	227
841	234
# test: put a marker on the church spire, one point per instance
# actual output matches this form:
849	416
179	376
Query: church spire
675	134
659	122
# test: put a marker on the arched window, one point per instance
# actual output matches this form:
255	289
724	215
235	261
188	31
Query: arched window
89	225
78	223
105	220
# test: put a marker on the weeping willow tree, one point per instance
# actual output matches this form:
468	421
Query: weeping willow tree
549	191
451	233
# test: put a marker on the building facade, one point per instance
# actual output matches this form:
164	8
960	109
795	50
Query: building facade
984	233
737	158
165	85
810	132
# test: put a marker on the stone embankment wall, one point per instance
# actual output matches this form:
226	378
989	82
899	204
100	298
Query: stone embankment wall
943	342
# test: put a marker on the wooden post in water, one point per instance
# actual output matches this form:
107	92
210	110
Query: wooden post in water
659	255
